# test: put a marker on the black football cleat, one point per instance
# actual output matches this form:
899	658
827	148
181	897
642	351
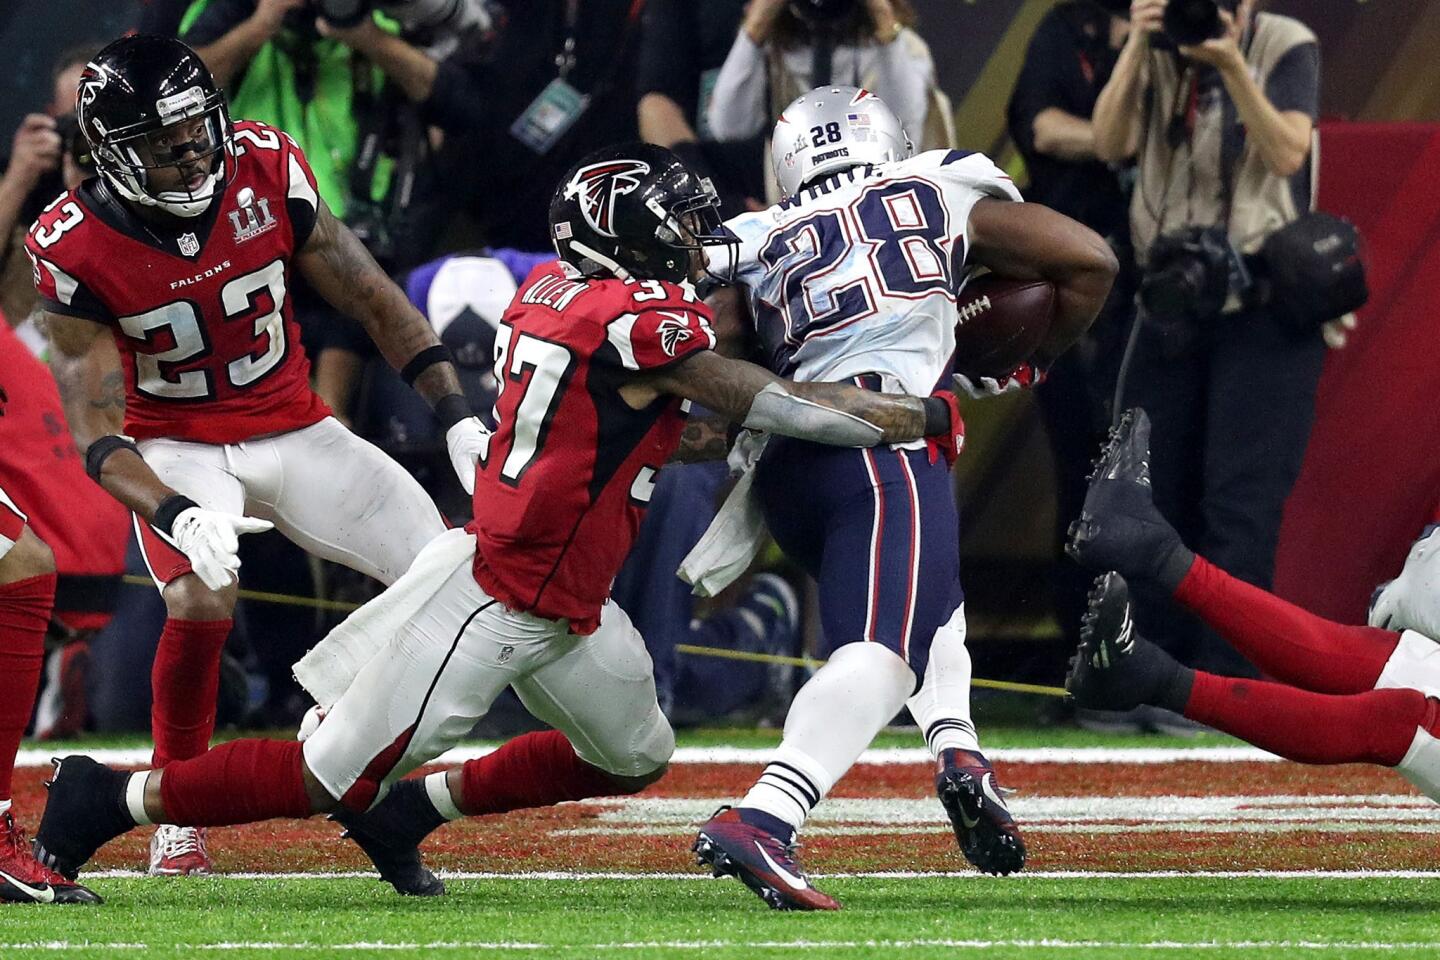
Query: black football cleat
763	861
986	832
1119	527
23	879
1115	668
85	811
390	834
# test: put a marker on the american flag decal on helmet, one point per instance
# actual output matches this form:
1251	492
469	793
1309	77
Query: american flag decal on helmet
597	187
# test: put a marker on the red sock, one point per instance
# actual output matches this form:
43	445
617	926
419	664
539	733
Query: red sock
185	681
242	781
1376	726
24	617
533	770
1287	643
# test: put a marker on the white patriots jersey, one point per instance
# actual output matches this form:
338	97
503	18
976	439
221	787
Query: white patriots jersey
859	272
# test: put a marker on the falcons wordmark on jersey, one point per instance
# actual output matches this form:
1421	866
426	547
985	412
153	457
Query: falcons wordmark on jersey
571	466
201	312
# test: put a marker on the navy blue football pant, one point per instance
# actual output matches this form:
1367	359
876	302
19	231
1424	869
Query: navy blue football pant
879	531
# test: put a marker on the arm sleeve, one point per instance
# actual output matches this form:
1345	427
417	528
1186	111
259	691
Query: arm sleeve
1040	85
217	19
655	338
1294	83
737	106
904	72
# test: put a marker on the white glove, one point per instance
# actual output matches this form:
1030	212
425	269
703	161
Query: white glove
1412	600
209	539
467	440
1021	378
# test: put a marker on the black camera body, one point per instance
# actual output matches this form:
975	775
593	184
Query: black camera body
1191	274
1190	22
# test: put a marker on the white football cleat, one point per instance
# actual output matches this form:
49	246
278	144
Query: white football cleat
179	852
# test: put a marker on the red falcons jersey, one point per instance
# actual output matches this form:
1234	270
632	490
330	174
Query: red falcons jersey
200	308
561	491
41	470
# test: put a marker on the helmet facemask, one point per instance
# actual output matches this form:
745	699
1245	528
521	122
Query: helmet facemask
693	225
178	166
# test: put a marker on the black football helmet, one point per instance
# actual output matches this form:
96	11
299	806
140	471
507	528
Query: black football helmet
636	210
129	95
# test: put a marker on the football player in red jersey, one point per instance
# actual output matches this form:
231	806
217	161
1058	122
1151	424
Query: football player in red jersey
165	282
27	597
598	357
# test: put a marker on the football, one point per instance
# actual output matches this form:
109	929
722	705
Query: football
1002	321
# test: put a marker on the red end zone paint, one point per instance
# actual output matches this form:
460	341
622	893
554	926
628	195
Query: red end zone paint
885	818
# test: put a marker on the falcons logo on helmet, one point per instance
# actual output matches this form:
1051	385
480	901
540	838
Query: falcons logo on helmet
599	185
673	330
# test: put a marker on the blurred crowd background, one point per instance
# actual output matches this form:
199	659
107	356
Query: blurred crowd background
438	128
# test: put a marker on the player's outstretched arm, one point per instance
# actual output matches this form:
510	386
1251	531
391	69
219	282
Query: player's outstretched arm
831	413
1028	241
86	364
337	264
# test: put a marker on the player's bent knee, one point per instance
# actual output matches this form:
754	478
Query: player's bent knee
625	785
187	598
320	799
29	557
646	757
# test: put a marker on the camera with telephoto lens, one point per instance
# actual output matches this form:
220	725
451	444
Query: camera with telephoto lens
1190	275
1187	23
415	16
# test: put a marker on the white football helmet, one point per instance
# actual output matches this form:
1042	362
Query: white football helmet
831	128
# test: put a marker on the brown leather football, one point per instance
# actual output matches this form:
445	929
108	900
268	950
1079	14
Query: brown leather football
1002	321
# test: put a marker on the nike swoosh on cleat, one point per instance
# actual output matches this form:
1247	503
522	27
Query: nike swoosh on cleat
987	785
794	882
44	894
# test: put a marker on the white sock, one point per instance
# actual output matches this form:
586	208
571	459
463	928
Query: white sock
437	788
833	719
135	798
942	704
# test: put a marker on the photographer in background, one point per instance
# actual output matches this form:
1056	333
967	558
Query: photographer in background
787	47
554	82
47	157
682	48
1067	64
1217	103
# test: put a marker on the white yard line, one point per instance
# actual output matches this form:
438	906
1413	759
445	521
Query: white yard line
893	756
573	875
1316	946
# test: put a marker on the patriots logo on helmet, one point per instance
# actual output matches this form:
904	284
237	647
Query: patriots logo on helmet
673	330
599	185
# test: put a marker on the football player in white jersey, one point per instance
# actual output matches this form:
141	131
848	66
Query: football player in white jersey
854	276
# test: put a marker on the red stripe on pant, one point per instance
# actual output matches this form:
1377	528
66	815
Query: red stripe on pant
363	791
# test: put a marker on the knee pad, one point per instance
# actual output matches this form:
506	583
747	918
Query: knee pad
650	750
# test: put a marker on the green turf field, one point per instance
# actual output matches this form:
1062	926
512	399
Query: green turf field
1038	917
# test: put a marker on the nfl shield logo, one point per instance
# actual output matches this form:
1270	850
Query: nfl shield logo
189	245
